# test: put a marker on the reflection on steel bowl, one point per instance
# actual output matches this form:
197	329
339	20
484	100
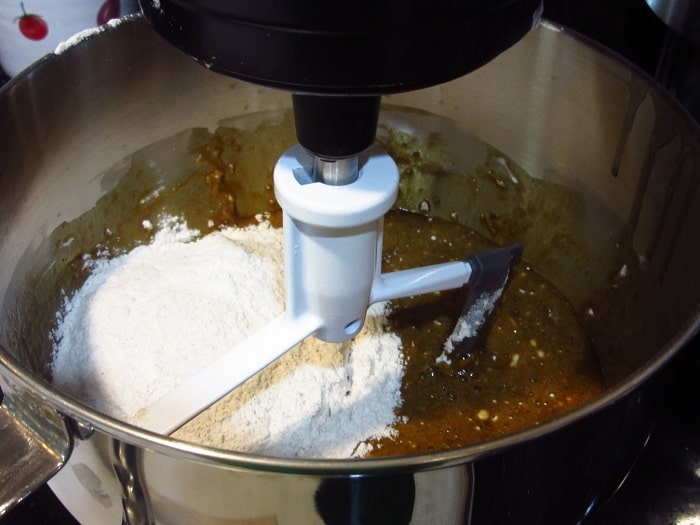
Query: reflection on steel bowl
562	110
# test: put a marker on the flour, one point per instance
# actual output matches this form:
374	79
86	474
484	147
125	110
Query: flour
85	34
469	323
147	320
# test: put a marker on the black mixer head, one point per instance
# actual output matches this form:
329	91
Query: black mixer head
342	50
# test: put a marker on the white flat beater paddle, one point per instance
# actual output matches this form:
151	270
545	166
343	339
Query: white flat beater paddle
332	252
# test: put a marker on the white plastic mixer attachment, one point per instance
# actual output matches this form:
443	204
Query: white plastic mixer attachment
332	236
333	247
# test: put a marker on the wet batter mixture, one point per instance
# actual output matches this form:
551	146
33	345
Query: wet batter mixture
537	362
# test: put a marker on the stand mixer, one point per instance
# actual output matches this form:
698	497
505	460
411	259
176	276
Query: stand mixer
334	186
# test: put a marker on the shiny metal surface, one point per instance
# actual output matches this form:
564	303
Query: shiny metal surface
34	444
683	16
336	172
128	466
563	110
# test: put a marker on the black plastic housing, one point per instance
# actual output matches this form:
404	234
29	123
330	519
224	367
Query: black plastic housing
322	47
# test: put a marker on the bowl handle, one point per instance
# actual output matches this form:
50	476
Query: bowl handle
34	443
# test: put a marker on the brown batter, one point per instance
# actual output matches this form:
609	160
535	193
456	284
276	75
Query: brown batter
537	362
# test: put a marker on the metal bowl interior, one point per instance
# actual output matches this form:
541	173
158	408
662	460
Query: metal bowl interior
564	109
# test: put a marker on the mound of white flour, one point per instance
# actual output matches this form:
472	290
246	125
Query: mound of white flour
147	320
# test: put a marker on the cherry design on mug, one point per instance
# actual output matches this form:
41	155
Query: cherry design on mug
32	26
110	9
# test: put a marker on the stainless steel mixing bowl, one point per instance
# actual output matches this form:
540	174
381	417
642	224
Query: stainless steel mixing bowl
680	15
564	109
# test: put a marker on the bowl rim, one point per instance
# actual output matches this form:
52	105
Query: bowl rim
91	419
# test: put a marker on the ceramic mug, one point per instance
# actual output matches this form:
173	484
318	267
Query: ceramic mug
29	29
